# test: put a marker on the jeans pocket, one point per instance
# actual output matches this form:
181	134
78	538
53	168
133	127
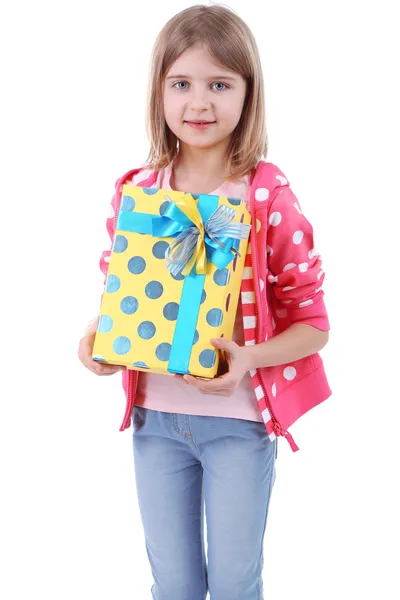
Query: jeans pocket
138	417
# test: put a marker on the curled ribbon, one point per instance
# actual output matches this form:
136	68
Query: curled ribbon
198	241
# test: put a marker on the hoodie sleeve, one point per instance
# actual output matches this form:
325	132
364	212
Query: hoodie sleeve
294	265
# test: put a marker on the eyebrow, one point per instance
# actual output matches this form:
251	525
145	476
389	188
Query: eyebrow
212	77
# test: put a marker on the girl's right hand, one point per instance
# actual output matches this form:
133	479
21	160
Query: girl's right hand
85	351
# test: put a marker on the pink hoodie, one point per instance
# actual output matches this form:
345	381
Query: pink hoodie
281	285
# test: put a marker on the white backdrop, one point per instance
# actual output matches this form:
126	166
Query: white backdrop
74	78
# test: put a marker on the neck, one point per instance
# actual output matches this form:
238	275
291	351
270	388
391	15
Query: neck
200	163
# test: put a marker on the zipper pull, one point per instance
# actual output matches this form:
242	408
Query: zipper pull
291	441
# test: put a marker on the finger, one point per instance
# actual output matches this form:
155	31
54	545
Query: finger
107	374
177	376
91	327
103	369
208	387
224	344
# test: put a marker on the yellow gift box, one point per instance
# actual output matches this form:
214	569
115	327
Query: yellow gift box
173	281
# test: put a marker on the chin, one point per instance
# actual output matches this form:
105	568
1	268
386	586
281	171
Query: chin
196	141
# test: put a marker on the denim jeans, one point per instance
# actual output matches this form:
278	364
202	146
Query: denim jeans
183	465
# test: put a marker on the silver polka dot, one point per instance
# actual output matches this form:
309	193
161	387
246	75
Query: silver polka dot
146	330
222	276
207	358
170	311
154	290
163	351
214	317
136	265
159	249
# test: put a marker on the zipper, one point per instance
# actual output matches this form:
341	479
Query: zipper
276	426
132	386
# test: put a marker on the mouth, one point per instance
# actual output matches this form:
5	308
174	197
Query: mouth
199	124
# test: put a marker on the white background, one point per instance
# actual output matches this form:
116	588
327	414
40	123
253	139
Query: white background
74	77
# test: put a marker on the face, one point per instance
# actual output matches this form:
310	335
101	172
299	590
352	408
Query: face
203	101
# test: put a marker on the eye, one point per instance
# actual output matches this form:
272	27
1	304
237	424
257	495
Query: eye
221	86
180	85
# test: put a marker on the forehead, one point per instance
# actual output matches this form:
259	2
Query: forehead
198	62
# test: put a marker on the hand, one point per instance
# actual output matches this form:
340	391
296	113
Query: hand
225	385
86	349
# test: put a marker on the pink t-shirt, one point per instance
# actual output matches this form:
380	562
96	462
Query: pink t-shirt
169	394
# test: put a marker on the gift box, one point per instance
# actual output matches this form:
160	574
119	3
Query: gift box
173	281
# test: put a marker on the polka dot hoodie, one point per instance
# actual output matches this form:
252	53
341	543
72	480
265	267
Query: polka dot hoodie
281	284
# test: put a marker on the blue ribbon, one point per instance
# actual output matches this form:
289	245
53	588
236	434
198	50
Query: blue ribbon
174	221
171	224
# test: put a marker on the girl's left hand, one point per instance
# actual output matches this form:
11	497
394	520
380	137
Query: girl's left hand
225	385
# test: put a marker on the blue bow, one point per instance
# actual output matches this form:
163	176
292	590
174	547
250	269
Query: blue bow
203	232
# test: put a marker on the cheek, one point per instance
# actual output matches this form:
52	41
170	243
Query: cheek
172	108
231	114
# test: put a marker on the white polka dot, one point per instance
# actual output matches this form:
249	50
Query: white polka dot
289	373
253	372
298	237
250	343
273	323
282	180
262	194
261	285
107	259
111	212
312	253
272	279
258	225
269	251
275	218
303	267
320	274
318	290
288	288
281	313
297	207
289	266
273	389
305	303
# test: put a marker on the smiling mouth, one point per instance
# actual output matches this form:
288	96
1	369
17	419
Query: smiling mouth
200	122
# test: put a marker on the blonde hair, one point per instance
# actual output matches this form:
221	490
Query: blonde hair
230	41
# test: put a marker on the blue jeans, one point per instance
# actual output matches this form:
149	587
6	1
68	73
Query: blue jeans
184	463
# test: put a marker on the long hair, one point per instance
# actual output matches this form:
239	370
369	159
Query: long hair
230	41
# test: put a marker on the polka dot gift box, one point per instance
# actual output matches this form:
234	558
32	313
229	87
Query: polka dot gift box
173	281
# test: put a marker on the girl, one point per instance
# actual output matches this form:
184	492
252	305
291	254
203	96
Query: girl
214	443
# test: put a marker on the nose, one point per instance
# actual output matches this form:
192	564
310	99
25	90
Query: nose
200	99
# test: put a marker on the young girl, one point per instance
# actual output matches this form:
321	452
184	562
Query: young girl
214	443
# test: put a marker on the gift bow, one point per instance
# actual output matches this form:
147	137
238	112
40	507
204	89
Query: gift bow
199	237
